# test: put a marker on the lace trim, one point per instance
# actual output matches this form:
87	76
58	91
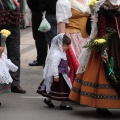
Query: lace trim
5	66
83	7
83	60
94	85
4	74
95	96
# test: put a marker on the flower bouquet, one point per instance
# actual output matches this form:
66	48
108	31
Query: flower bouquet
92	5
4	34
101	45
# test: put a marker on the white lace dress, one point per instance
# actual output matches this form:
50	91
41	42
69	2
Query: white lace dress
5	66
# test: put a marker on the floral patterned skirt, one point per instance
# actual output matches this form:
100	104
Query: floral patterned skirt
74	51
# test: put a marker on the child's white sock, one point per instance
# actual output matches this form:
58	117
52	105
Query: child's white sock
63	103
48	99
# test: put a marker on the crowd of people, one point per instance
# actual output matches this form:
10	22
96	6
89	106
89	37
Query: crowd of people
71	71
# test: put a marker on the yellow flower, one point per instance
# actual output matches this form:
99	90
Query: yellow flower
5	32
99	41
93	2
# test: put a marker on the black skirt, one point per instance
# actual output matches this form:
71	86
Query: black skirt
114	51
59	90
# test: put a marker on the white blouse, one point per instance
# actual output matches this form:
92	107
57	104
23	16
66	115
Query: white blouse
63	9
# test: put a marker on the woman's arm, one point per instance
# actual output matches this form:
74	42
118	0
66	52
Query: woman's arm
61	27
63	13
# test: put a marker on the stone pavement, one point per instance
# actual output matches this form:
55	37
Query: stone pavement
30	106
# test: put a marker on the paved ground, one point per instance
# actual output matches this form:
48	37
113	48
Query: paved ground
30	106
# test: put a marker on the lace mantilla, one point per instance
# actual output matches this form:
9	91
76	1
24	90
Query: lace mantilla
84	57
5	66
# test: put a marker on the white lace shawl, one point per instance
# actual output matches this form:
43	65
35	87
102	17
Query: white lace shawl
54	57
63	9
84	56
5	66
115	2
83	7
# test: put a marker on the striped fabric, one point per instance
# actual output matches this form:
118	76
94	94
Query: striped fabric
7	5
59	90
77	43
5	88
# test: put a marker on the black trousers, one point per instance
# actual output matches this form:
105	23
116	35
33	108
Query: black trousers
53	32
13	50
39	37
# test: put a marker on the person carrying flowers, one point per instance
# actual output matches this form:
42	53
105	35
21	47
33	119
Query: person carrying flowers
98	84
10	18
56	84
5	65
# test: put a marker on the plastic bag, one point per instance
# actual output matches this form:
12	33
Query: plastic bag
44	25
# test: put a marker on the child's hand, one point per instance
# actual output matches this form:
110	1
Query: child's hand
56	79
104	57
92	18
16	3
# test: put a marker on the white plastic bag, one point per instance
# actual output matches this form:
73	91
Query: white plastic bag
44	25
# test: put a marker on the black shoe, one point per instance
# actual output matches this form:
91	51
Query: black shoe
49	103
103	112
17	89
0	103
65	107
36	63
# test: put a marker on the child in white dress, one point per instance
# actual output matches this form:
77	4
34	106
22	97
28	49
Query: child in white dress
5	65
56	84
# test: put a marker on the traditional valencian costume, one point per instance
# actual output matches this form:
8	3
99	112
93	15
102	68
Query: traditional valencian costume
92	86
56	65
74	14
